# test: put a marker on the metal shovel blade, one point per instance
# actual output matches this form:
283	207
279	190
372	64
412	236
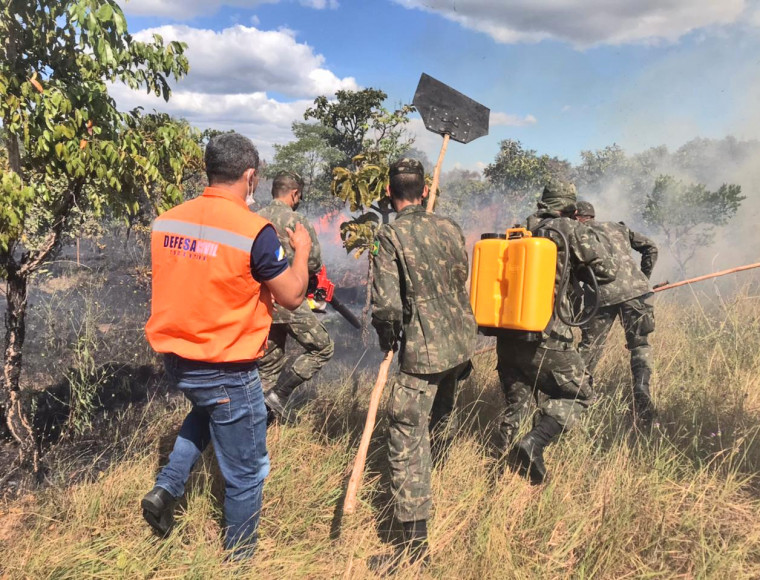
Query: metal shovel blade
448	112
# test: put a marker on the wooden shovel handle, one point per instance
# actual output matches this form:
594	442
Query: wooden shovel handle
437	174
349	505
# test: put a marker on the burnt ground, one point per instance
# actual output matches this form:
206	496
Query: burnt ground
85	325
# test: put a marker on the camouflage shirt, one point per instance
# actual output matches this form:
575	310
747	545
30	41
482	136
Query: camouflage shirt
282	216
585	250
631	280
420	270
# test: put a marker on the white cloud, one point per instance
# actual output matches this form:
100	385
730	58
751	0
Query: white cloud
187	9
584	22
265	120
242	60
233	74
510	120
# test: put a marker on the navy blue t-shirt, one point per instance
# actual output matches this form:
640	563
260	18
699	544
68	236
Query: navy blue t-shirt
268	259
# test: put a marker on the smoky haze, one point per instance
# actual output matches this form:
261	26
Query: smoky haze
616	186
617	196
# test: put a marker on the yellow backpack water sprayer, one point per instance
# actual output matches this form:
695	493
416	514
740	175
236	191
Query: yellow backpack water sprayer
512	282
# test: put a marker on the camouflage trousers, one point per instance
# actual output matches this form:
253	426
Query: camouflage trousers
533	376
637	318
303	326
420	408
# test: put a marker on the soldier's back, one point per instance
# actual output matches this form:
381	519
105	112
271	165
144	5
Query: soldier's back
439	326
630	282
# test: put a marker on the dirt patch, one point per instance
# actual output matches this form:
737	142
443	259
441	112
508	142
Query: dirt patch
12	521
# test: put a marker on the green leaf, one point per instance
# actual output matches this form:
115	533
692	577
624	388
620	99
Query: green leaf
105	13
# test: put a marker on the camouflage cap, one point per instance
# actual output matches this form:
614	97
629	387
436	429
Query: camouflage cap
558	196
585	209
406	165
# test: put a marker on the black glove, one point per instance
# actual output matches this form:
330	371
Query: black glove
647	266
387	334
466	371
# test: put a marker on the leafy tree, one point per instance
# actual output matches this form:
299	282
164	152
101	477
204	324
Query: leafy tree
347	117
369	137
687	214
67	147
357	122
311	156
598	166
520	174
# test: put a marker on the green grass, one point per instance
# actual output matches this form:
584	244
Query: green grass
683	503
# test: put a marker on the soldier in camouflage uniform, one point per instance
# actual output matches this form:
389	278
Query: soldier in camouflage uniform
420	299
301	323
548	362
628	298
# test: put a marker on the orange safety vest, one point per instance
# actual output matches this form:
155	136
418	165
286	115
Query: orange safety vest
206	305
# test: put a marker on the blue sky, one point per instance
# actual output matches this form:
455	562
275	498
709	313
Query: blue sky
560	75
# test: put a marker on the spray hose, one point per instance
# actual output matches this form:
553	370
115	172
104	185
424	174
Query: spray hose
565	280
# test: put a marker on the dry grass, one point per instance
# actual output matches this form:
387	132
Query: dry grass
683	503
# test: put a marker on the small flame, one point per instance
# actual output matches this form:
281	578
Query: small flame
328	226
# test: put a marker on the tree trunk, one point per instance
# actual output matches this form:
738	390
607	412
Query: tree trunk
17	280
15	325
14	153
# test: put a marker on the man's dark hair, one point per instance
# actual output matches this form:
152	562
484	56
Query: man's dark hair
286	181
407	186
228	156
407	179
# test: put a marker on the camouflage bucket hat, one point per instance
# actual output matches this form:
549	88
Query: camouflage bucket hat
585	209
406	165
558	196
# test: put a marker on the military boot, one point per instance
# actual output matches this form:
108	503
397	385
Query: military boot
158	510
276	398
529	451
413	549
643	409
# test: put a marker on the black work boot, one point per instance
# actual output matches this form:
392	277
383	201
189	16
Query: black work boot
286	384
643	409
158	510
529	451
416	539
413	549
276	398
275	406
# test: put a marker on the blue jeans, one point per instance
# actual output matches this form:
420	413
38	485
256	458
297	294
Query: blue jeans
228	410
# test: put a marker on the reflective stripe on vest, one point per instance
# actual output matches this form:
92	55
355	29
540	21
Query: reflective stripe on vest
204	233
206	305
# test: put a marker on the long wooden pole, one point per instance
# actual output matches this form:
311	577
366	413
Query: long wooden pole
349	505
437	174
706	277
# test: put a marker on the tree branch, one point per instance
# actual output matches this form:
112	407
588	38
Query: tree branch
14	152
32	260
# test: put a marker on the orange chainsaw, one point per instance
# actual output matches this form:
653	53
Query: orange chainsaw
321	289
